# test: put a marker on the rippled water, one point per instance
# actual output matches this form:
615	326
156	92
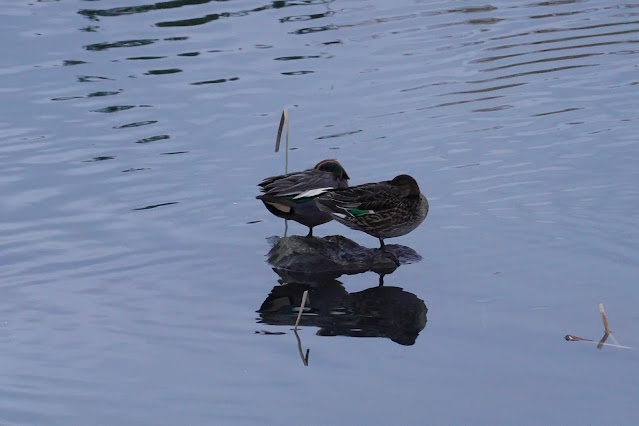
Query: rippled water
132	248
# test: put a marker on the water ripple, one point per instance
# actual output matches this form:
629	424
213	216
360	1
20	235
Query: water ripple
117	44
121	11
136	124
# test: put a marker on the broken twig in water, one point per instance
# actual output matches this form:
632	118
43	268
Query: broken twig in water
299	314
602	342
607	333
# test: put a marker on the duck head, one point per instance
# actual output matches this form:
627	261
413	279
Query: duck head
332	166
407	186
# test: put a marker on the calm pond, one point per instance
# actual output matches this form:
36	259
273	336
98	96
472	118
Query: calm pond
134	287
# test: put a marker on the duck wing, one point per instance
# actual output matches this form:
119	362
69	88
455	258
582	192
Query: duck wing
369	198
295	183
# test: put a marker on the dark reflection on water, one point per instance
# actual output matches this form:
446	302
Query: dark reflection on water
145	58
103	158
153	206
114	108
162	72
90	95
297	72
310	30
153	139
70	62
379	311
307	17
219	80
135	170
92	78
215	16
136	124
120	11
338	135
295	58
123	43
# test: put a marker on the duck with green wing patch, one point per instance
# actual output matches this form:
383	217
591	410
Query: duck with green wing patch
281	194
384	210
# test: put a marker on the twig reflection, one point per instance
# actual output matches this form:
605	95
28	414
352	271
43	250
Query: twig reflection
299	348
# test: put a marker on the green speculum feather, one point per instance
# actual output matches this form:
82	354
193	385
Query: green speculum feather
299	200
357	212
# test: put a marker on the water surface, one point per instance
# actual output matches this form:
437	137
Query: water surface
133	250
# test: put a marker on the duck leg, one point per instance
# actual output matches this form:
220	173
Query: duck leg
310	231
391	254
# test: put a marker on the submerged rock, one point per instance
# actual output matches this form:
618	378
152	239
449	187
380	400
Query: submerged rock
335	255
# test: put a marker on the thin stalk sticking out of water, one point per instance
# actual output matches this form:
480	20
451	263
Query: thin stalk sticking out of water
283	122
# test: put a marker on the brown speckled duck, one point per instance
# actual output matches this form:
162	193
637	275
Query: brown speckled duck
384	210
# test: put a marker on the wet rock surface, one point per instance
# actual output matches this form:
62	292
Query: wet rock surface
335	255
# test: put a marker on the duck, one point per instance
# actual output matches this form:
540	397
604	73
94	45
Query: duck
385	209
280	193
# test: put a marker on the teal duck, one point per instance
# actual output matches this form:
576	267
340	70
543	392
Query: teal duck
280	193
384	210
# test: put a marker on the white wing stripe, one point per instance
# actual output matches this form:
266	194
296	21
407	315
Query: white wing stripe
312	193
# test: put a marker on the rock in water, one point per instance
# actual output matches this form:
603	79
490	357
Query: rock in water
336	255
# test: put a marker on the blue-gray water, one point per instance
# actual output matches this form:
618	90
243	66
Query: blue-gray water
518	119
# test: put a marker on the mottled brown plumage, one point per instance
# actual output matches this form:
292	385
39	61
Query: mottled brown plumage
384	210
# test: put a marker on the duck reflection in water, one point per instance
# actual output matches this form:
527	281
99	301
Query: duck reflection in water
379	311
